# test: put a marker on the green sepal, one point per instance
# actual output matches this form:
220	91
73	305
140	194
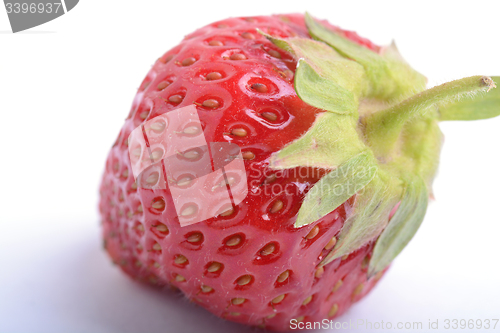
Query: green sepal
479	106
331	141
402	226
322	92
390	76
323	78
419	151
369	215
336	187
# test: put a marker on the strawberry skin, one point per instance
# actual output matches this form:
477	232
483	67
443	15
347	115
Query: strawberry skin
250	264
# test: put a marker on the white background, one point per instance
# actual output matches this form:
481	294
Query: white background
65	89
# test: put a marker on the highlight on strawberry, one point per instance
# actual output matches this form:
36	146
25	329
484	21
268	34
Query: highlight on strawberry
272	167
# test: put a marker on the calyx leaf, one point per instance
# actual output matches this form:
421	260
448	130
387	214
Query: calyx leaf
323	78
390	76
336	187
331	141
402	227
368	217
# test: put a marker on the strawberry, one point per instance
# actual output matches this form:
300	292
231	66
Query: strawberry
338	144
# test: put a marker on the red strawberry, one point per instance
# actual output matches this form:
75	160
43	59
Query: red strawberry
284	252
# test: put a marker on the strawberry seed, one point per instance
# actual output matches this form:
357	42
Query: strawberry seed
283	276
188	61
278	299
271	116
276	207
214	267
214	76
238	301
215	43
180	259
176	99
307	300
333	310
195	238
259	87
206	289
268	249
247	35
237	56
211	103
241	132
244	280
313	233
331	243
233	241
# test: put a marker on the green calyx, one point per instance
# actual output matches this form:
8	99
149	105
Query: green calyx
378	137
390	77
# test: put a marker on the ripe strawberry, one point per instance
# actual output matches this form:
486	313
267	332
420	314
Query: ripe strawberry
285	252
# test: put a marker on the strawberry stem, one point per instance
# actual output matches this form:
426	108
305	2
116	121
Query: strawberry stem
383	128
